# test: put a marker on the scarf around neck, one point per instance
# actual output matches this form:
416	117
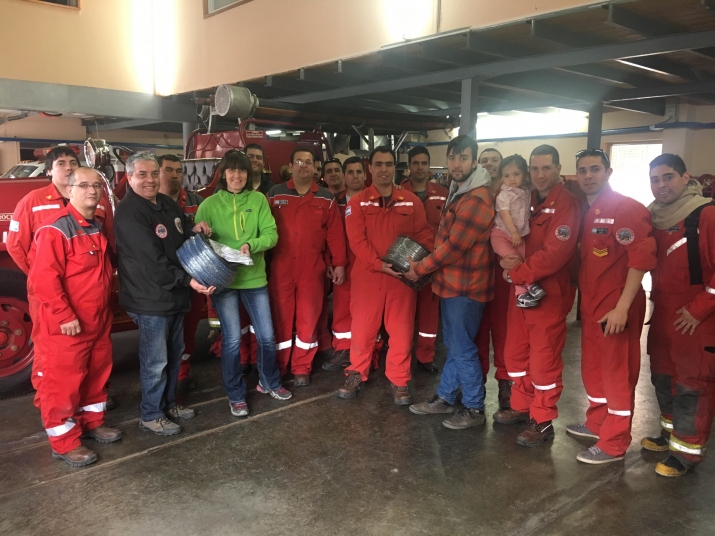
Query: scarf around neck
666	216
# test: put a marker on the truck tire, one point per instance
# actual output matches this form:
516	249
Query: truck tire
16	347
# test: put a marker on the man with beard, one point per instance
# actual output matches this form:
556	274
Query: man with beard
462	264
259	180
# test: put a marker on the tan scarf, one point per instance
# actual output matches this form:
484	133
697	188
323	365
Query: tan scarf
666	216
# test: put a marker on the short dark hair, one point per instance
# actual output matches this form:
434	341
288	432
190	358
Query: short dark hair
353	160
491	150
333	161
546	150
254	146
670	160
54	153
233	159
594	152
169	157
382	149
519	162
302	150
460	143
417	150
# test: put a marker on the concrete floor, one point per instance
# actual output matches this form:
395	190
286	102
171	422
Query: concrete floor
319	465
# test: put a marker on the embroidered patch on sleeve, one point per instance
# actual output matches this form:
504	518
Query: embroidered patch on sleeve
625	236
563	233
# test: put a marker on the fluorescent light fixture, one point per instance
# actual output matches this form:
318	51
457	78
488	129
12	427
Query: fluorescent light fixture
273	132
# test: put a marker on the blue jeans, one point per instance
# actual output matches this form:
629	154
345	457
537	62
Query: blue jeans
461	317
255	300
161	343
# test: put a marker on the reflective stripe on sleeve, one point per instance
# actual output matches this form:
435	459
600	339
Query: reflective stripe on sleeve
61	429
428	335
544	387
244	330
250	328
687	448
305	345
675	246
516	374
619	412
710	290
548	210
95	408
345	335
597	400
284	345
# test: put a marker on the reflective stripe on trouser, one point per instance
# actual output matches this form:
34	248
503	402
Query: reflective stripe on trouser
342	321
298	302
374	297
427	320
493	326
248	348
609	369
683	373
191	322
73	396
536	340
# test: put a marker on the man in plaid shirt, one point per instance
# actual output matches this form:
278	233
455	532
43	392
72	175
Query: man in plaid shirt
463	268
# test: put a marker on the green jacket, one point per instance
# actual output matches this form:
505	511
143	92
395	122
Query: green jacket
237	219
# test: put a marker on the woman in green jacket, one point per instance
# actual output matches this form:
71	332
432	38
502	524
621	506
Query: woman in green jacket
240	218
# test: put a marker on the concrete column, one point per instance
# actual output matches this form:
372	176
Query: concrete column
595	126
187	129
468	109
9	155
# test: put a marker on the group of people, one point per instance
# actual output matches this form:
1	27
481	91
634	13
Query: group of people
307	240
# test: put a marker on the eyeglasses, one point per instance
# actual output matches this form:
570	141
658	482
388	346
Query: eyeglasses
594	152
85	185
303	162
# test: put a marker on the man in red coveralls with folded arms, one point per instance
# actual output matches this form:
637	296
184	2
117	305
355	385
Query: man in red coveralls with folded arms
71	277
433	197
537	336
308	222
374	219
29	215
681	340
617	249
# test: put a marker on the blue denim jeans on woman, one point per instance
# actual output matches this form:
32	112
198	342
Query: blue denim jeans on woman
161	343
255	300
461	317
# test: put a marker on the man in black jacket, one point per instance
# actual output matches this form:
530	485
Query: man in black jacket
154	288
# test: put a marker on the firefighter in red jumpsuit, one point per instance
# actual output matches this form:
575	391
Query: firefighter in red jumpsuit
493	325
29	215
171	179
681	340
433	197
374	218
308	222
71	277
617	249
537	336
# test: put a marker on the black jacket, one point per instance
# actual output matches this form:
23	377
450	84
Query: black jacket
151	279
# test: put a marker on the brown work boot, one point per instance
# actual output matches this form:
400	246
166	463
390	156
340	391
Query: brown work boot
511	416
340	359
78	457
353	383
535	434
401	395
504	394
103	434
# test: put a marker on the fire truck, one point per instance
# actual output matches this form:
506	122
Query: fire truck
256	123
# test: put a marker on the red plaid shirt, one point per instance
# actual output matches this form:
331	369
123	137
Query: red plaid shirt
463	260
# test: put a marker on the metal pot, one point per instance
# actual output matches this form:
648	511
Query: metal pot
397	254
200	261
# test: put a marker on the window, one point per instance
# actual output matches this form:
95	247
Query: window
64	3
630	169
212	7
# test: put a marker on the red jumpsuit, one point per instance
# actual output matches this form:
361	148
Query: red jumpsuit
71	276
494	321
616	237
537	336
307	224
427	301
683	366
372	226
189	204
30	213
